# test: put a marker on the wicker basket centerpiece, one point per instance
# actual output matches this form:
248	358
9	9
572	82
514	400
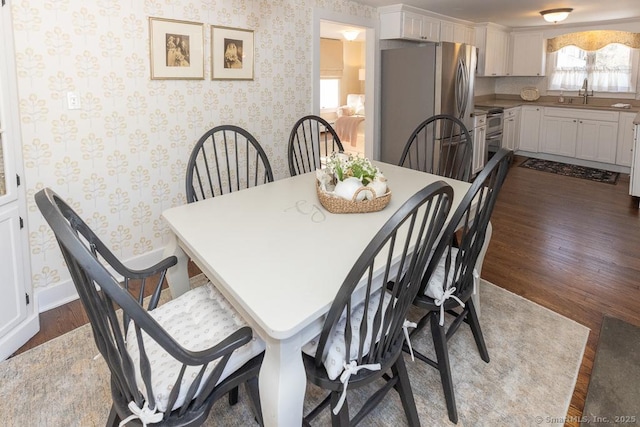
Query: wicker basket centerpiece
351	184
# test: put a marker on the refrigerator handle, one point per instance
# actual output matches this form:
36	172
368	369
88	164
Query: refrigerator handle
462	88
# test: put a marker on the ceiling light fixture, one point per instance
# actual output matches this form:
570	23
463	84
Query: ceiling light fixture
556	15
350	35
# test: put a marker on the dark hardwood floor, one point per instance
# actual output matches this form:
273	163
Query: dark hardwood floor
572	246
568	244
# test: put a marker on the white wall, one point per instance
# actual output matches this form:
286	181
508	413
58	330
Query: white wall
120	160
484	86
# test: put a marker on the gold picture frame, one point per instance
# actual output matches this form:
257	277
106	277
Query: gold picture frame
176	49
232	53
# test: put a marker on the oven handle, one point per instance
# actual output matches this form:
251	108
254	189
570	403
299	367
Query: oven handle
494	136
490	115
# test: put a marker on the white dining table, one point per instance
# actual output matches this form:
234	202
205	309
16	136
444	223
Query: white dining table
280	257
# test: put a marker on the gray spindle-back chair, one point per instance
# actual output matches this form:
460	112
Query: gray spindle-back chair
450	278
440	145
396	255
136	345
312	139
226	158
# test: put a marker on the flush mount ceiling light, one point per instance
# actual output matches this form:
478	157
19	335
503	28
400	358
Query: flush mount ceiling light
556	15
350	34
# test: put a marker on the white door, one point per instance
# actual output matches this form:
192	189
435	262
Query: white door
13	306
18	322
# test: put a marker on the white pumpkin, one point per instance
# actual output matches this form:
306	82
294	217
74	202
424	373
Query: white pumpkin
347	188
379	185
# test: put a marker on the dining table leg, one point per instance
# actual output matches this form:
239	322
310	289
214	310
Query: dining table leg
282	383
178	275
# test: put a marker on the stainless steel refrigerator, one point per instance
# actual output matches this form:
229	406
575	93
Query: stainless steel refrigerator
419	82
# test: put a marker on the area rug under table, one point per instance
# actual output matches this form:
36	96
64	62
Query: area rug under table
535	357
575	171
613	397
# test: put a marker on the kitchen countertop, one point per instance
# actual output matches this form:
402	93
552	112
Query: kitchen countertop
508	103
598	104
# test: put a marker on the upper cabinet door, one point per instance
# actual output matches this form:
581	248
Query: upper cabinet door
493	44
528	54
408	24
456	33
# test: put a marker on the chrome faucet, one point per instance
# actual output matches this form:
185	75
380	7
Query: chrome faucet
584	92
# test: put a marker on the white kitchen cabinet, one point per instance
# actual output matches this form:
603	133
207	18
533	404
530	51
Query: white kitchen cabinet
584	134
456	32
558	135
530	118
511	128
447	31
492	41
528	54
405	22
479	143
626	128
597	140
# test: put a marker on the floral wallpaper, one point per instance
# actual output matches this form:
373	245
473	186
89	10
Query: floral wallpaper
120	159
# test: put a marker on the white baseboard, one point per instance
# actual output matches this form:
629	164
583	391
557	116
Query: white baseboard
574	161
64	292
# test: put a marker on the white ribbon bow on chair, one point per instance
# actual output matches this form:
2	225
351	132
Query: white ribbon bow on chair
448	293
349	369
405	327
145	415
476	280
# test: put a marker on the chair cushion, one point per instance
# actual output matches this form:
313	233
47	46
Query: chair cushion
198	319
435	289
335	359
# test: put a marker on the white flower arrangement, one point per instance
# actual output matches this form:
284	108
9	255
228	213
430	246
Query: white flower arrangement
345	174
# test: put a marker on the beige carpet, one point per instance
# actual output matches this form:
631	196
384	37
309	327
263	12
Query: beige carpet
535	357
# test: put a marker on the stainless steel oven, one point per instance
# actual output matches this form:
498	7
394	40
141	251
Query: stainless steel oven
494	129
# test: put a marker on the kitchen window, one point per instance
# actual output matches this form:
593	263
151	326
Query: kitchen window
598	56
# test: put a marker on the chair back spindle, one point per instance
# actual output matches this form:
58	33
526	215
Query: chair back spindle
312	139
440	145
227	158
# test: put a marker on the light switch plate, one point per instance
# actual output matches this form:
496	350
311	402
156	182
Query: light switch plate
73	101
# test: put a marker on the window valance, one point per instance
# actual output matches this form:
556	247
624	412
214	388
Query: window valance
331	58
593	40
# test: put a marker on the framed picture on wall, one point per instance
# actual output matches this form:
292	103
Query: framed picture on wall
231	53
176	49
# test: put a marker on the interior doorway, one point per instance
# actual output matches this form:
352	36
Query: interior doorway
342	82
356	99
